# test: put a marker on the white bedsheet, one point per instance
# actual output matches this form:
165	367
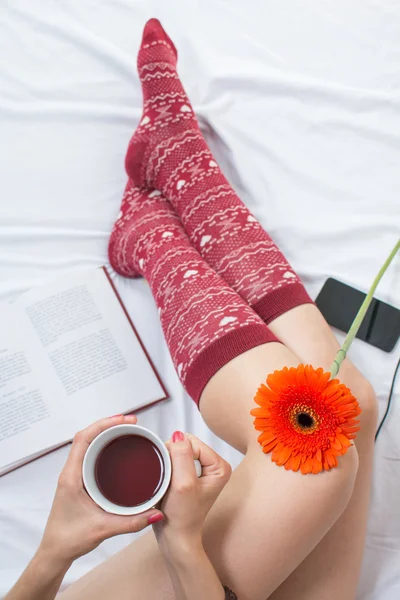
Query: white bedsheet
304	102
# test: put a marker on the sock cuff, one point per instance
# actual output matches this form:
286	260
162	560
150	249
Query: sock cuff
222	351
279	301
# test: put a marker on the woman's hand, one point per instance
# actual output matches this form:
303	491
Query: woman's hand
185	507
76	524
189	497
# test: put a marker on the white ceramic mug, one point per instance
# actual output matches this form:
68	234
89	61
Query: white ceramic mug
89	465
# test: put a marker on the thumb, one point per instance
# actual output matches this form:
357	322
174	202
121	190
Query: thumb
181	453
132	524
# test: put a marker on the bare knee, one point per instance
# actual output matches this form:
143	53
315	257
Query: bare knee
334	489
344	478
364	392
369	406
331	490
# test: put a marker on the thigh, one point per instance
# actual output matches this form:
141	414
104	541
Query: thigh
332	569
228	398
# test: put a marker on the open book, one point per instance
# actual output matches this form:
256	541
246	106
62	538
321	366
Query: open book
69	355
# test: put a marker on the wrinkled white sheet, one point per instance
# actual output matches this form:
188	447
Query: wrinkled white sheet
304	102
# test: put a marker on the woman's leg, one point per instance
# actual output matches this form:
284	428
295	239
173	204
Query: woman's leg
267	520
239	517
179	162
332	570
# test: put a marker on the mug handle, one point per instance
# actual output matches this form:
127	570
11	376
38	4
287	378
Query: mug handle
197	466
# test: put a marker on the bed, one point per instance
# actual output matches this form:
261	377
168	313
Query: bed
301	103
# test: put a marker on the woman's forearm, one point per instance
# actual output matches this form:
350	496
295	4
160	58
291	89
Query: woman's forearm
192	574
42	578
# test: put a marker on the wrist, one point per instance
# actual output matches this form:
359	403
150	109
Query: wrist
180	544
53	558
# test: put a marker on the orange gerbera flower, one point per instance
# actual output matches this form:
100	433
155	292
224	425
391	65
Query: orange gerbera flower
306	419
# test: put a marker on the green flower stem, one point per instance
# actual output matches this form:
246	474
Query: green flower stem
342	353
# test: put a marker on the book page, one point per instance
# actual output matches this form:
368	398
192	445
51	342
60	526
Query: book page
91	348
28	412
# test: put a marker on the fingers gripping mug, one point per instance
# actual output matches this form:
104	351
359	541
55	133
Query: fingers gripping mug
127	469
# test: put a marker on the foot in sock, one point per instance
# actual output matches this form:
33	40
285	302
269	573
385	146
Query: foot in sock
166	109
205	323
168	152
139	209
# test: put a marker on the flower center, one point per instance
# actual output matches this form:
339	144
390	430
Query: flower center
304	419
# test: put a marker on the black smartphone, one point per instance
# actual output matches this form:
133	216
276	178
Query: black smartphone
339	303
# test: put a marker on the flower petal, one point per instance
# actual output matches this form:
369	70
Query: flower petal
296	462
317	466
307	466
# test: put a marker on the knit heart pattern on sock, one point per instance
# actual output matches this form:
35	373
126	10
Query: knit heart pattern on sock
169	152
196	307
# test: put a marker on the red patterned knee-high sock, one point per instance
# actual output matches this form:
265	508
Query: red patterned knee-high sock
205	323
168	152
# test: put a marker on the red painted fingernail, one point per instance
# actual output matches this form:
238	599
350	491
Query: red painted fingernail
155	518
178	436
